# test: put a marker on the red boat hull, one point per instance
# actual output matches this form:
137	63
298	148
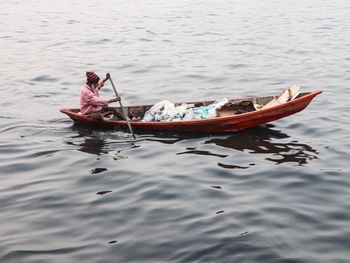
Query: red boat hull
218	124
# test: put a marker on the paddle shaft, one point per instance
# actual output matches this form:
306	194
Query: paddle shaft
123	110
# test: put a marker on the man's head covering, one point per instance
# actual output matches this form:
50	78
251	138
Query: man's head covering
91	77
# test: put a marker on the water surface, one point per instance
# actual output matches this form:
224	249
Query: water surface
274	193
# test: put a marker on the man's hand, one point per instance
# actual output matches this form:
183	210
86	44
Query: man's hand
114	100
107	77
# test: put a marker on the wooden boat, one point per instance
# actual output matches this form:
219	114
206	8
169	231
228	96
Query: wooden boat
226	123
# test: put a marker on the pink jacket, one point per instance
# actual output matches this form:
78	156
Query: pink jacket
90	99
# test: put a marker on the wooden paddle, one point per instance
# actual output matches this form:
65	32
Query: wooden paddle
121	106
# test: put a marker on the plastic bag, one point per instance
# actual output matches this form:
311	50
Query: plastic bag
205	112
161	111
180	112
166	111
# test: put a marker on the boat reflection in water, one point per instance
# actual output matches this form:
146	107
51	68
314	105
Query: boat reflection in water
265	140
260	140
101	141
88	142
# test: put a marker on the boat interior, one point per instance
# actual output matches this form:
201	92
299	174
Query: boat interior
232	107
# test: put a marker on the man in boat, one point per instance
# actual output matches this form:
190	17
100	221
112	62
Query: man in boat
90	101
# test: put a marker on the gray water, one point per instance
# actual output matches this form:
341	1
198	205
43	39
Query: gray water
274	193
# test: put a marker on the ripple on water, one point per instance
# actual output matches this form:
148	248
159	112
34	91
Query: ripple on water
34	255
98	170
44	78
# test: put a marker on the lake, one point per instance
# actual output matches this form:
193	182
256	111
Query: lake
279	192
